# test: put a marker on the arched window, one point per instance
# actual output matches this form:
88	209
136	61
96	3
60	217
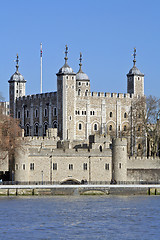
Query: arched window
27	113
100	148
36	129
95	127
139	128
125	115
45	112
54	124
79	92
125	128
86	93
110	128
36	113
80	126
55	111
139	146
110	114
27	130
45	128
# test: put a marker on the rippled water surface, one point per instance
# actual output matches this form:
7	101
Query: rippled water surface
84	217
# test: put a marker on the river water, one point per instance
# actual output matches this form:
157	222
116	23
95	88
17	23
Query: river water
83	217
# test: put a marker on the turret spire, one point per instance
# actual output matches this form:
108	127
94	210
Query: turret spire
17	61
66	52
134	55
80	64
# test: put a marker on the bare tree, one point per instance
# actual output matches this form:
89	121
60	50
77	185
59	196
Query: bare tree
10	134
144	128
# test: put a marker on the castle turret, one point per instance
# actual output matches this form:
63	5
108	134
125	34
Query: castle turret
66	95
16	89
82	80
119	159
135	79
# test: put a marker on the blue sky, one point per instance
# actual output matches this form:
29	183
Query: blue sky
104	31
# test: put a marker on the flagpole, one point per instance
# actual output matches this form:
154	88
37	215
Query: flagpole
41	65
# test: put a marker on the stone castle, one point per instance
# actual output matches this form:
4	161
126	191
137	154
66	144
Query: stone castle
75	134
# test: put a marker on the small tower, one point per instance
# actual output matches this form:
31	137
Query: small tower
16	88
82	80
119	159
135	79
66	104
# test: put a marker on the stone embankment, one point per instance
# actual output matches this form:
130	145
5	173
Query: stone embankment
53	190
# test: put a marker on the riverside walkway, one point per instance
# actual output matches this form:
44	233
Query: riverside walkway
148	189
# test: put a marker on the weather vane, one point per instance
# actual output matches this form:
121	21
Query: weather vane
17	61
134	55
66	52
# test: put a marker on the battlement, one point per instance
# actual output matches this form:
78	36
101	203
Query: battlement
112	95
37	96
143	158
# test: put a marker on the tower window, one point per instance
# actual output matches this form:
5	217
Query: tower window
125	128
55	111
84	166
79	83
31	166
80	126
86	93
139	146
54	124
110	114
45	112
27	130
139	128
70	166
19	114
27	113
54	166
36	113
107	166
36	129
86	83
110	128
45	128
79	92
95	127
120	165
16	91
125	115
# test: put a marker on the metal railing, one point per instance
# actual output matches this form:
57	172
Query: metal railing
78	183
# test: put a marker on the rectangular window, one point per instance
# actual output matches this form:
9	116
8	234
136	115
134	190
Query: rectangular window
84	166
107	166
31	166
19	114
23	166
54	166
55	111
16	167
27	113
70	166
